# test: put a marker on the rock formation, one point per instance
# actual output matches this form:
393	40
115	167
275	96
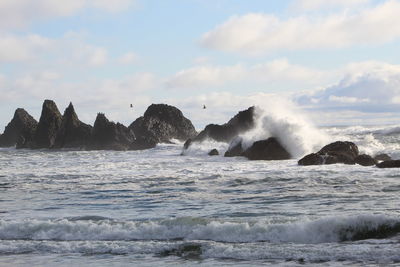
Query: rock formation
107	135
213	152
269	149
382	157
48	126
72	133
365	160
240	123
22	127
337	152
162	123
389	164
235	148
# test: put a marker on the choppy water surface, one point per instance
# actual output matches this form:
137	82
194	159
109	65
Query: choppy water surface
156	207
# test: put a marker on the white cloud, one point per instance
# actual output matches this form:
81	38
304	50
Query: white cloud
97	57
347	99
15	48
279	71
128	58
368	86
305	5
205	76
19	13
68	50
262	33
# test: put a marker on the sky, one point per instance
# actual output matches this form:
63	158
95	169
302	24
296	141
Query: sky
337	61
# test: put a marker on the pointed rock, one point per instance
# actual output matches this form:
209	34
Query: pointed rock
22	126
163	123
49	124
109	135
73	133
240	123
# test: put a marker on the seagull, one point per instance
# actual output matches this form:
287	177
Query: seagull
131	106
204	106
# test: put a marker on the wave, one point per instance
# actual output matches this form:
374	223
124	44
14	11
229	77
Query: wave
93	228
290	126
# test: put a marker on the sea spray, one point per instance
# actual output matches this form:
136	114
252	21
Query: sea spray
276	117
280	118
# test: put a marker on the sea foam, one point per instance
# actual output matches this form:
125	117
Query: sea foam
325	230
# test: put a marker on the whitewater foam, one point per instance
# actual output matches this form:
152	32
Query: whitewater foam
326	230
290	126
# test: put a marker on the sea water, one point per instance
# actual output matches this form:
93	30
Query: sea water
159	208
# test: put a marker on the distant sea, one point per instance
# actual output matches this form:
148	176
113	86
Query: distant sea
160	208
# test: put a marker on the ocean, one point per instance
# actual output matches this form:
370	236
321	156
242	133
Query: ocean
159	208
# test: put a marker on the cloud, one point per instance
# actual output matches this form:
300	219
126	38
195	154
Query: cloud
257	33
33	48
205	76
14	48
279	71
128	58
20	13
309	5
366	86
97	57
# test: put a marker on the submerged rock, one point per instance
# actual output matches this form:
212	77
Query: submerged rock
269	149
312	159
240	123
72	133
337	152
235	148
143	142
389	164
382	157
365	160
107	135
162	123
22	127
213	152
48	126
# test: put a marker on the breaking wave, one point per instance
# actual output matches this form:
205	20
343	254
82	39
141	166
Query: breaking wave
325	230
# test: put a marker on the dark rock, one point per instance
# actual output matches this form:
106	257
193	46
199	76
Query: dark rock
240	123
382	157
311	159
340	148
163	123
235	149
73	132
21	127
187	143
365	160
269	149
107	135
337	152
213	152
49	124
143	142
389	164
